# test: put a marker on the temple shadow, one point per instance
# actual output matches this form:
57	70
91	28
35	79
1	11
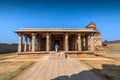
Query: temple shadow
108	72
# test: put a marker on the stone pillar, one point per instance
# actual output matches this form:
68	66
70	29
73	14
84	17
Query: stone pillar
36	45
73	44
76	43
66	42
92	42
89	40
29	48
82	43
25	44
33	42
47	42
19	43
39	44
79	42
86	42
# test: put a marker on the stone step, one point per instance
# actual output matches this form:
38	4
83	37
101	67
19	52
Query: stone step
57	55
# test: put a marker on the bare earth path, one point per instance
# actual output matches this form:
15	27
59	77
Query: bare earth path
58	69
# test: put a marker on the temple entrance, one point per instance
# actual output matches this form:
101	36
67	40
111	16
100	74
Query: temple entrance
57	39
57	42
56	45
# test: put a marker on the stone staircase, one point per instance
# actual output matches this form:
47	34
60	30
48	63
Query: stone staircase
57	55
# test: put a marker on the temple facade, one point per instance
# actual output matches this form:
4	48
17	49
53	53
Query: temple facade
43	40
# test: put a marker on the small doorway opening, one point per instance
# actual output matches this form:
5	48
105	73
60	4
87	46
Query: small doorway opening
56	44
57	39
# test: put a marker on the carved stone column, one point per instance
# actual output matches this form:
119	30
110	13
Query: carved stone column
29	47
19	43
47	42
39	44
86	42
66	42
76	43
79	42
92	42
36	44
33	42
25	44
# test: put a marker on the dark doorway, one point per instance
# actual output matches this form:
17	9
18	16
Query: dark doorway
57	39
56	42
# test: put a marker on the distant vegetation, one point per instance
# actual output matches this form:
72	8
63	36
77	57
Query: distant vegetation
8	48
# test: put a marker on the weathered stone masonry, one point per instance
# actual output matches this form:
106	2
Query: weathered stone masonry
42	40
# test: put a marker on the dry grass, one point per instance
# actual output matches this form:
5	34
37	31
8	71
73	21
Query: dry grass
13	57
12	64
8	70
108	69
109	55
7	56
31	56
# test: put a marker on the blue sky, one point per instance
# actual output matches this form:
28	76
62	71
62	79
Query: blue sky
59	14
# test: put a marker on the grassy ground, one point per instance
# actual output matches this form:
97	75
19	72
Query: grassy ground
8	70
109	69
7	56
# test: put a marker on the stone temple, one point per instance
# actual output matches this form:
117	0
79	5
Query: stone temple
70	40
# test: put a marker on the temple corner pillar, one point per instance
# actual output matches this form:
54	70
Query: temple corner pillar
92	42
33	42
47	42
19	43
79	42
29	47
25	44
66	42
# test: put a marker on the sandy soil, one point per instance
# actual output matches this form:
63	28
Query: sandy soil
29	57
103	67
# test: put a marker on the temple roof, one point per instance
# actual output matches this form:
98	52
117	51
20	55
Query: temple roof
55	30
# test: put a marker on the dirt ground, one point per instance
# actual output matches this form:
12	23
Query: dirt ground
106	66
10	69
27	57
12	64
